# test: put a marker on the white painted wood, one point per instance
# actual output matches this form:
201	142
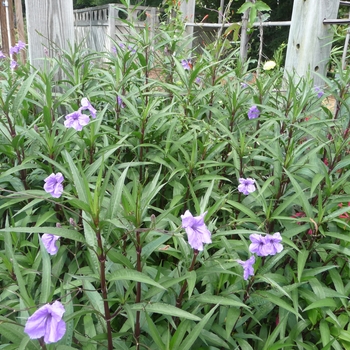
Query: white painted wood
187	8
49	23
309	42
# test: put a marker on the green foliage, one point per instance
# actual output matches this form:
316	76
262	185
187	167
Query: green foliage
180	139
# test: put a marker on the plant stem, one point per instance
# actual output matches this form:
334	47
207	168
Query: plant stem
183	289
138	288
102	260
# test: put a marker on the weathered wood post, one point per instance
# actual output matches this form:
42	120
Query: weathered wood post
7	26
48	22
309	42
187	8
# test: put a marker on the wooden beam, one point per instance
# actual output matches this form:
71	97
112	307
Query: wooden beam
3	22
50	25
310	40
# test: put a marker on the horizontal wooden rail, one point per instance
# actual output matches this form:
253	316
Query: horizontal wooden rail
255	24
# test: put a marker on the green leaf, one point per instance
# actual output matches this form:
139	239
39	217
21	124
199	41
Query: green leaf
327	302
165	309
22	93
132	275
214	299
153	331
194	334
63	232
302	257
45	289
277	301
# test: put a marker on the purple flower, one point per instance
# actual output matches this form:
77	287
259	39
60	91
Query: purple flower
53	185
85	104
273	244
187	64
47	322
264	246
258	244
246	186
198	80
49	242
17	48
122	46
131	49
319	91
248	269
13	64
76	120
120	102
197	231
244	85
253	112
2	54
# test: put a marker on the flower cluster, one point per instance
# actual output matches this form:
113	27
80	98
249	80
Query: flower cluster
197	231
17	48
77	119
47	322
14	50
261	246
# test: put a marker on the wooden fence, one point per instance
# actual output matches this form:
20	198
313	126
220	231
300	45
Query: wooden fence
100	28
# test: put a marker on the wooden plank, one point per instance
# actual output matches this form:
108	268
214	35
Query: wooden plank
309	42
50	25
3	22
20	27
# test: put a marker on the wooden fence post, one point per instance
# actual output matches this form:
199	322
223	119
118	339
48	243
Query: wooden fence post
187	8
20	27
7	25
309	42
49	24
112	14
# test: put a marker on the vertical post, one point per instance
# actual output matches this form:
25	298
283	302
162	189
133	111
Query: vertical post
243	49
309	42
50	24
187	8
111	26
7	25
20	26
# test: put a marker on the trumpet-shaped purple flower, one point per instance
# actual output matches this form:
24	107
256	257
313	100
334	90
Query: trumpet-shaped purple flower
49	242
2	54
273	244
187	64
76	120
47	322
248	269
85	104
258	244
246	186
53	185
197	231
265	245
253	112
